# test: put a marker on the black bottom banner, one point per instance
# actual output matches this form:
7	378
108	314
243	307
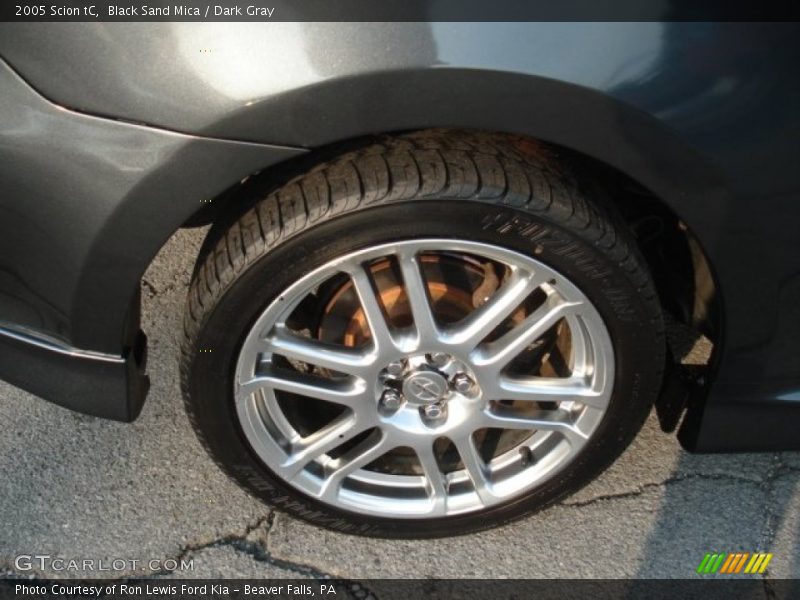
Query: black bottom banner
407	589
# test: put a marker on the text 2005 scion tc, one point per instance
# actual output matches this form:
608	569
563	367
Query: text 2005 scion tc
433	295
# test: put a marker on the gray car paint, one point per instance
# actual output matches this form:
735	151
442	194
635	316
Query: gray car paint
702	114
82	197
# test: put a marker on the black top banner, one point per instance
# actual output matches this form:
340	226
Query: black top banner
396	10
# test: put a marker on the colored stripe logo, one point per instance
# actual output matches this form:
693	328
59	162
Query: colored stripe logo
734	563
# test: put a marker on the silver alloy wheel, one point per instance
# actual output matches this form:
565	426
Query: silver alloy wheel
424	385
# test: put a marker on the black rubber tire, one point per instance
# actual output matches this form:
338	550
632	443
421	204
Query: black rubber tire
482	187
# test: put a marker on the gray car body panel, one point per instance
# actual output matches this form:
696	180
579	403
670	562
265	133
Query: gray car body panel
86	204
704	115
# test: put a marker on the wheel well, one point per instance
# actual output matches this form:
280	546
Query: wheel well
680	268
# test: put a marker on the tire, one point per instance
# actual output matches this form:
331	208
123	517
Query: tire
494	191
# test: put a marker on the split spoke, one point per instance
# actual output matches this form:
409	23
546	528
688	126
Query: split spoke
579	347
475	467
499	353
321	442
435	480
487	317
379	328
349	393
548	389
557	421
417	294
313	352
358	457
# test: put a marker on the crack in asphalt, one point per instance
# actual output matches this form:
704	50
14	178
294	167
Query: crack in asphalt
355	589
257	550
644	488
152	291
171	286
241	542
777	469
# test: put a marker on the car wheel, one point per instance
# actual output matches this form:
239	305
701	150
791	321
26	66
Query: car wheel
431	336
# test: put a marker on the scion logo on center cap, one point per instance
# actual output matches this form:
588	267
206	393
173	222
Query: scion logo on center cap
424	388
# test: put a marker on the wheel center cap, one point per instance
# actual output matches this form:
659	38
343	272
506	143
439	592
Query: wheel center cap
424	387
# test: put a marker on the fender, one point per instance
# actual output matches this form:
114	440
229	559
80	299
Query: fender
86	204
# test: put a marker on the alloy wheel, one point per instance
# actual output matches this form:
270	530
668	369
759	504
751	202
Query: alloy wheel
424	378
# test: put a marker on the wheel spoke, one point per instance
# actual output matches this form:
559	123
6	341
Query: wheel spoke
351	393
475	467
558	421
579	347
321	442
417	294
435	480
548	389
487	317
329	356
499	353
381	334
358	457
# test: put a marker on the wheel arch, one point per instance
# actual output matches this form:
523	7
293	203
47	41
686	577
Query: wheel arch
681	269
687	286
619	146
622	146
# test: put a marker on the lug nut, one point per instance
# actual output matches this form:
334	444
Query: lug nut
433	411
391	399
462	383
396	368
438	359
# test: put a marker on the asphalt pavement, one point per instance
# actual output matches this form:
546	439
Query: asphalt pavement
76	488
